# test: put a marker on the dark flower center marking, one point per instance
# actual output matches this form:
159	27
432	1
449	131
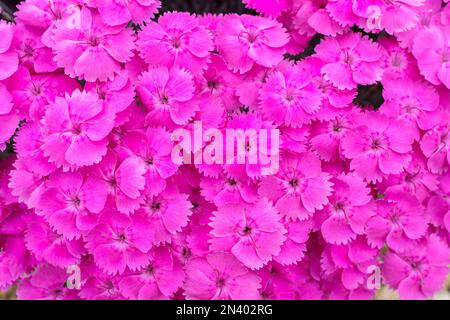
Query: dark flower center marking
293	182
339	206
155	206
121	237
220	282
36	90
150	269
337	127
76	201
246	231
186	252
164	100
149	161
212	84
94	41
376	144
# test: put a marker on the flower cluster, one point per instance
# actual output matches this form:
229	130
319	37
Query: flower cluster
91	92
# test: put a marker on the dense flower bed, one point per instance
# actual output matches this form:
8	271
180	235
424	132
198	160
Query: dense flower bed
93	94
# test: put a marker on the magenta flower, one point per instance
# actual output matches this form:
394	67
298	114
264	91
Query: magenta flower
400	220
31	51
78	122
394	16
294	248
341	11
275	283
300	187
46	15
419	272
71	203
349	60
289	97
154	150
333	100
416	179
327	142
313	14
99	285
160	279
438	208
46	283
349	210
124	179
378	146
9	116
119	12
119	242
176	39
228	190
51	247
33	93
166	214
118	94
253	234
78	48
435	145
412	101
398	62
14	258
220	276
98	96
270	8
434	61
8	56
247	40
168	95
350	263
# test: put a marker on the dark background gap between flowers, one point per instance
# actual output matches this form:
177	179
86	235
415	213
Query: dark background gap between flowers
368	96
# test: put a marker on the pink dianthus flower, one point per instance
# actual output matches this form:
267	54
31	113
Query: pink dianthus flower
247	40
220	276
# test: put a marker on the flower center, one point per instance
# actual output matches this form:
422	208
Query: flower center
27	50
212	84
220	283
247	230
76	129
176	41
36	89
121	237
339	206
232	182
376	144
150	270
94	41
75	201
293	182
155	206
445	57
395	216
290	95
164	99
347	58
249	36
336	127
397	60
149	161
